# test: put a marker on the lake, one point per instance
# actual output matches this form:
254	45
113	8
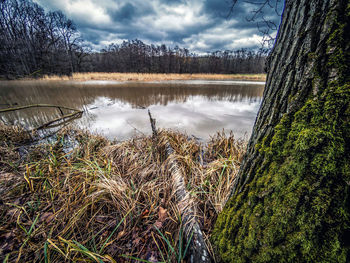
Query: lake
118	110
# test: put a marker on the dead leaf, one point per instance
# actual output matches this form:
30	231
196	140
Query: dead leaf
145	213
120	234
162	214
158	224
152	258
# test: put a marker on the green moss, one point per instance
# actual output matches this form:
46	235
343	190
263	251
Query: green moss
305	211
296	207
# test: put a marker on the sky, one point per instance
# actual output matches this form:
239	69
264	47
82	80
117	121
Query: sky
198	25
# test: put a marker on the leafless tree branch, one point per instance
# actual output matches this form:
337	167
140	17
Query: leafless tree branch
265	26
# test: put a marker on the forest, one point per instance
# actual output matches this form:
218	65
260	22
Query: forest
34	42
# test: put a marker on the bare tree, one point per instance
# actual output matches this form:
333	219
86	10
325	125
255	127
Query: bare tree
33	41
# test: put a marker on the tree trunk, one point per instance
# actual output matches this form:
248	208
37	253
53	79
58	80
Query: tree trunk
290	201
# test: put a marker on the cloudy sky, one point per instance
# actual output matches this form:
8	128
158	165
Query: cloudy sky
199	25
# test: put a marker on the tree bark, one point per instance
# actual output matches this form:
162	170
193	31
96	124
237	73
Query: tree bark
290	201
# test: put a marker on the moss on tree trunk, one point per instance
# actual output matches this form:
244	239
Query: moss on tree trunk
290	202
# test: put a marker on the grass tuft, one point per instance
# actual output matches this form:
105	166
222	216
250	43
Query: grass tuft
105	202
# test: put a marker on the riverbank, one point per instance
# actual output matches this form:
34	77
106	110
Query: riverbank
144	77
82	197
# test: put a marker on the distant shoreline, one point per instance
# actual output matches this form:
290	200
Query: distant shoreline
146	77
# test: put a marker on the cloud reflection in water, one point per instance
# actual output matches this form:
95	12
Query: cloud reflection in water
198	115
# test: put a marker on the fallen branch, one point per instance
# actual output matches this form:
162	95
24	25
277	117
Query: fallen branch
192	231
37	106
153	125
65	118
55	122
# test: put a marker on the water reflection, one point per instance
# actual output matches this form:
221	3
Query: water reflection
117	109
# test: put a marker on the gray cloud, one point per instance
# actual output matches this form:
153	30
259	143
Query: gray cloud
198	25
126	12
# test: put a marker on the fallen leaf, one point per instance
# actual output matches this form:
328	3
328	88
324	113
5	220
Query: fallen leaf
158	224
162	214
152	258
120	234
145	213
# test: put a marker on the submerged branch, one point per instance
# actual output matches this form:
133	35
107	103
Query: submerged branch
55	122
37	106
65	118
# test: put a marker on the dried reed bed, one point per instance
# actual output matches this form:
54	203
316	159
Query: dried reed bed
104	202
145	77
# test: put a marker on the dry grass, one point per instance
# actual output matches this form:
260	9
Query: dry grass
155	77
104	202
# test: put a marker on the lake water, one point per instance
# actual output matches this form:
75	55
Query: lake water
119	110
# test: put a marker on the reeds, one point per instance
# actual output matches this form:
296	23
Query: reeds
145	77
104	202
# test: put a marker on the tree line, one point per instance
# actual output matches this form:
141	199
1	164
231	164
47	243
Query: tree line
34	42
136	56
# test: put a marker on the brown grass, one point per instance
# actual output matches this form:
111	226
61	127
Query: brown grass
105	202
155	77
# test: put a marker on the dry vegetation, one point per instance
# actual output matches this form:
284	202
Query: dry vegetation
155	77
106	202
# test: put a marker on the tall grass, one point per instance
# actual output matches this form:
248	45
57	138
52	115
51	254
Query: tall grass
154	77
105	202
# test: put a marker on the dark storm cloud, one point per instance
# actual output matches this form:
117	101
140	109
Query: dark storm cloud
198	25
242	13
92	36
219	9
126	12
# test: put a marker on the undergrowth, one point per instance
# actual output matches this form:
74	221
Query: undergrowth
105	202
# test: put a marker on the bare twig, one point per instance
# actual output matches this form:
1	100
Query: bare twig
265	26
